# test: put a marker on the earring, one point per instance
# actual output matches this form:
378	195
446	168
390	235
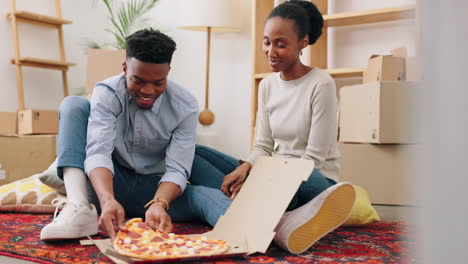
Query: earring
300	53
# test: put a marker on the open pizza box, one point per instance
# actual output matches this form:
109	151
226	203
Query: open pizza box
248	224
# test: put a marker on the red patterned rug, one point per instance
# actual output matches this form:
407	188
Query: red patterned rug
382	242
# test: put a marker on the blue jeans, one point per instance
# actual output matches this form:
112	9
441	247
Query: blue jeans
210	166
132	190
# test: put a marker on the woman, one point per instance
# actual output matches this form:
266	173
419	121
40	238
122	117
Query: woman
296	118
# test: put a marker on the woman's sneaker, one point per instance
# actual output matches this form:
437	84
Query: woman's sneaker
74	221
301	228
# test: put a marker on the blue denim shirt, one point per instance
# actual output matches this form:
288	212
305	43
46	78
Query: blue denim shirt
160	140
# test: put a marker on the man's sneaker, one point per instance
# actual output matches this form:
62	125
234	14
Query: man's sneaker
301	228
74	221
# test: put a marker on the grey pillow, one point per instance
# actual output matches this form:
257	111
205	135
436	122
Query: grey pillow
50	178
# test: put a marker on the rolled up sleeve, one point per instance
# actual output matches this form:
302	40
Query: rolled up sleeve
181	151
101	134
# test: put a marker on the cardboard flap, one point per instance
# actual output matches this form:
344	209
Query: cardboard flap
260	204
105	246
374	56
400	52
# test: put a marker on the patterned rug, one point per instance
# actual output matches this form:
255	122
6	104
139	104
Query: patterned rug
382	242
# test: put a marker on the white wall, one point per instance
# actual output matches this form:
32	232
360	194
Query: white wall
230	85
445	128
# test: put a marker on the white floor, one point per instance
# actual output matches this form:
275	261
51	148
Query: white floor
7	260
394	213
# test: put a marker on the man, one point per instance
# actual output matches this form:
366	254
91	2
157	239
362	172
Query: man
135	141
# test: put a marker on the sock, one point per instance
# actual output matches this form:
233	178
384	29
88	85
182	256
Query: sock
76	185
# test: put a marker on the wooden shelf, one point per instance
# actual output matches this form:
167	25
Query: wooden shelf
262	75
346	72
370	16
42	63
335	73
26	16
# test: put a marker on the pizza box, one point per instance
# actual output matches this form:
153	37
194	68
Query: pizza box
249	223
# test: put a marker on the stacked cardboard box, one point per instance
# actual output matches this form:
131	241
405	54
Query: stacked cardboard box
27	143
378	142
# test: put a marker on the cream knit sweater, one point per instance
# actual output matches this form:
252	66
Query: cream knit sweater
298	119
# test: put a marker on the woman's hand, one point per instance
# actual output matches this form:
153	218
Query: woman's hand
233	182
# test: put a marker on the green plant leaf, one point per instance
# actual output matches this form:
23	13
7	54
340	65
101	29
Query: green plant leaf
127	18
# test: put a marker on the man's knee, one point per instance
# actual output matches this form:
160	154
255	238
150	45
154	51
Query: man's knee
203	151
75	104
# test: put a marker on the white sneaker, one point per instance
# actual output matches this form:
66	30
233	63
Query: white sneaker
301	228
74	221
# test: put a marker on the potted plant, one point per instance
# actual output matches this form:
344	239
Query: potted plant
105	60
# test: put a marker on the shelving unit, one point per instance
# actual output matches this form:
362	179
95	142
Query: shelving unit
318	52
16	16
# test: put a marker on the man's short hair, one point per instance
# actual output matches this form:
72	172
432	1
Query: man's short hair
151	46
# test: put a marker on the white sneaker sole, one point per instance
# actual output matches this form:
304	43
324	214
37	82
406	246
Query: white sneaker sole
72	233
334	210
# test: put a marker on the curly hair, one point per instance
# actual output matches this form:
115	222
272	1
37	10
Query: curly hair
305	15
149	45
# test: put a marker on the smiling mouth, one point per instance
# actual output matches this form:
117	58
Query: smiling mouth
146	99
274	63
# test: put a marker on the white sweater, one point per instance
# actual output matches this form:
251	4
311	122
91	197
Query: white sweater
298	119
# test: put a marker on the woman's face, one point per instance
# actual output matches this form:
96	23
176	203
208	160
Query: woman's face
281	44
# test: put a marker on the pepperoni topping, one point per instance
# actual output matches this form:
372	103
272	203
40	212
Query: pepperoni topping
166	236
140	250
165	245
157	239
143	226
133	234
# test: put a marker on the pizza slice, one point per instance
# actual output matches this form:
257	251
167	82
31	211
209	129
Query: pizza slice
140	241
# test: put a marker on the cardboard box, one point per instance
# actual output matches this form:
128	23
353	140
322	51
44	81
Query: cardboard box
8	123
37	122
102	64
386	67
412	69
248	224
23	156
379	112
386	172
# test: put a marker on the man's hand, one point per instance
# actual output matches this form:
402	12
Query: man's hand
112	217
233	182
157	218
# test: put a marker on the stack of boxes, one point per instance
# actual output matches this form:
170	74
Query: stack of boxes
378	140
27	143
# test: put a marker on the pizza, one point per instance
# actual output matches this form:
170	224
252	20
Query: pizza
140	241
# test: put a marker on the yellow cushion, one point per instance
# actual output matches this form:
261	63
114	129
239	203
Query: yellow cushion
362	213
28	195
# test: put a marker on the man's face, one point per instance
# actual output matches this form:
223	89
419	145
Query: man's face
145	81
